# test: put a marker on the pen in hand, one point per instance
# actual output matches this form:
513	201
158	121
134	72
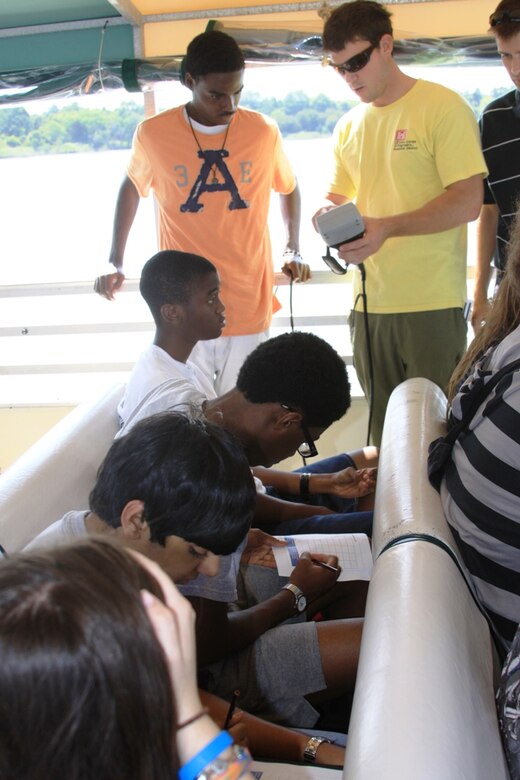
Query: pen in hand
325	565
231	710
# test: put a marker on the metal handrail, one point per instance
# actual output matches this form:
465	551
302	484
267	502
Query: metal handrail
116	362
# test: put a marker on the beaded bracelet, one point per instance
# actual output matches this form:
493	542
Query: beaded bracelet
200	761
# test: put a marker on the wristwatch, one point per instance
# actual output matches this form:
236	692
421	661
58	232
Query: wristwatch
300	602
309	754
305	479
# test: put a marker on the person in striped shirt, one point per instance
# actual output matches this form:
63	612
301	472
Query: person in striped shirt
480	491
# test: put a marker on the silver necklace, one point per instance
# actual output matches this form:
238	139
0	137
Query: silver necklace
213	171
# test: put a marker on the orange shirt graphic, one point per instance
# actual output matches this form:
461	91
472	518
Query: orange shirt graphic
217	205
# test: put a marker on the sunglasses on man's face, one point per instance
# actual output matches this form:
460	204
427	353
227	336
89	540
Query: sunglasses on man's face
355	63
504	17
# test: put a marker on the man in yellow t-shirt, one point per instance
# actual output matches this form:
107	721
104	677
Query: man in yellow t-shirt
212	167
409	156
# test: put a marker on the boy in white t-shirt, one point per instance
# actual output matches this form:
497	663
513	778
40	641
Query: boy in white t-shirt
182	293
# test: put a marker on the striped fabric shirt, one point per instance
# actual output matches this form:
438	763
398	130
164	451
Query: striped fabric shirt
480	492
500	134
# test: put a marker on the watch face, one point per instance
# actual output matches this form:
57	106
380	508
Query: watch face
301	603
309	754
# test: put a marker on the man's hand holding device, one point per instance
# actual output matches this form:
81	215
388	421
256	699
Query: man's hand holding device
339	225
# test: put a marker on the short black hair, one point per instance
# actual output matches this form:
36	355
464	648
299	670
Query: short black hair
361	19
300	370
191	475
212	52
170	276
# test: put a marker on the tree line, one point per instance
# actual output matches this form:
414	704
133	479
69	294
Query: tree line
75	129
68	129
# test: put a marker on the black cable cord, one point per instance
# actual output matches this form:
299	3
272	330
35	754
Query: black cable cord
292	330
369	350
364	308
337	268
290	304
291	316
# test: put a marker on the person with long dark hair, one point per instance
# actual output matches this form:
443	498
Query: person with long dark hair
98	671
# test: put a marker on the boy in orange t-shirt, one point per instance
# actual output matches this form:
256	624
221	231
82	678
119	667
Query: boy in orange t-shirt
212	167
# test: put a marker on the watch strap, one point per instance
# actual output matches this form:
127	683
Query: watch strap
311	748
305	479
297	593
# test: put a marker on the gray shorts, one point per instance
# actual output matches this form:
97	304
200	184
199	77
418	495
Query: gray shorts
279	669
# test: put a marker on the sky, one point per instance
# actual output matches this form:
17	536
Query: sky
321	79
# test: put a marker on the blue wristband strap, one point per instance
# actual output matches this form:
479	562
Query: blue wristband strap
195	765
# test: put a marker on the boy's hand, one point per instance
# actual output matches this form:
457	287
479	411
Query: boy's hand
311	578
259	549
367	482
257	538
238	728
353	483
109	284
294	267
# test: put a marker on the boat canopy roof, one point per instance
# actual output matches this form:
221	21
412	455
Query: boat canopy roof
60	47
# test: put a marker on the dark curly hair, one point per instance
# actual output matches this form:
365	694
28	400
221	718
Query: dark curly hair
212	52
359	20
300	370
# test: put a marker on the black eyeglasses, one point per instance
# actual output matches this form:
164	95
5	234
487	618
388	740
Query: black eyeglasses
504	17
355	63
307	448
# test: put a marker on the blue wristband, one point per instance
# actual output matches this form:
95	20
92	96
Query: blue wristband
195	765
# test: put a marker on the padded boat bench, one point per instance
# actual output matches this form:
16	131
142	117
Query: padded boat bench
424	704
58	472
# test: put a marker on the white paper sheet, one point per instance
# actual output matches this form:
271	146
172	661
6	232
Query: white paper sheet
353	552
266	770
